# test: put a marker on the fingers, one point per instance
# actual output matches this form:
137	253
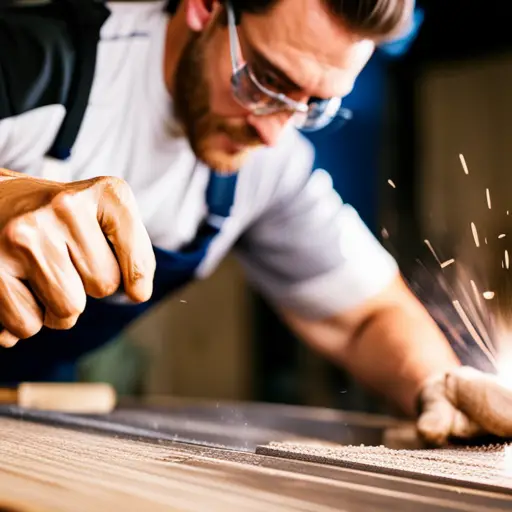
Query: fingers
53	321
120	221
88	247
20	314
436	419
434	424
59	244
482	398
58	286
464	427
52	275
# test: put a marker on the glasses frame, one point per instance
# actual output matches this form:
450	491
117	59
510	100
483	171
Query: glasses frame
239	69
283	103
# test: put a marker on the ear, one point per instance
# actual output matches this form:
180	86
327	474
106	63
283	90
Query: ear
199	13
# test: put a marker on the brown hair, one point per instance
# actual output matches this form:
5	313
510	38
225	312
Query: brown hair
371	18
377	19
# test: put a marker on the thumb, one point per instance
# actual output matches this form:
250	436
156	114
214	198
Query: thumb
440	419
121	222
5	174
482	398
434	423
11	174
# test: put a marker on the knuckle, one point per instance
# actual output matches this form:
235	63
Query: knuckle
105	287
64	203
20	231
118	189
113	182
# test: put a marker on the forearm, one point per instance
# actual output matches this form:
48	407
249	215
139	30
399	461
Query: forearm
396	350
390	344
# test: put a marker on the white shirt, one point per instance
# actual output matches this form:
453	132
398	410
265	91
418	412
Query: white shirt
298	242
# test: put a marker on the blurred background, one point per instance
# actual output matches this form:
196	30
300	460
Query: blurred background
442	92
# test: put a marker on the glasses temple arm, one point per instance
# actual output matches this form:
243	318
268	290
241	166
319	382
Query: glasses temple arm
234	43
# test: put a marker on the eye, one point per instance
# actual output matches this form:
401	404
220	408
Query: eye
267	78
270	80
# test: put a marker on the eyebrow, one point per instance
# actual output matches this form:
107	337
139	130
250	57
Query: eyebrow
263	61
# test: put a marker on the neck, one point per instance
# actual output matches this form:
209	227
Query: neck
176	38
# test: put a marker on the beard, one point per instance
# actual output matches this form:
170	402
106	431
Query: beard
205	130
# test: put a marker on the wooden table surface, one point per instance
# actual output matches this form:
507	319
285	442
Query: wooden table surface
53	469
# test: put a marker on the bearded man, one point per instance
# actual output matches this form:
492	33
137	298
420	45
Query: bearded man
189	147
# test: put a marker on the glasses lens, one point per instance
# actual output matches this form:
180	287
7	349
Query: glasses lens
321	113
248	94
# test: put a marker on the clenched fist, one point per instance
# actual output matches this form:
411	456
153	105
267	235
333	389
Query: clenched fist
464	403
54	250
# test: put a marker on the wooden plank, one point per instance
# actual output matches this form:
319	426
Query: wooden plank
45	468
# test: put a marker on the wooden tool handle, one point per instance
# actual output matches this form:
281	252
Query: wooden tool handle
84	398
8	395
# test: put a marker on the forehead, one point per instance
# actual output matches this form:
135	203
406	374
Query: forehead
312	48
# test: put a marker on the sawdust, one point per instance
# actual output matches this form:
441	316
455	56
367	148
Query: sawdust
490	464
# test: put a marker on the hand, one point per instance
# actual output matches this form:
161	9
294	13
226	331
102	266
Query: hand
54	250
464	403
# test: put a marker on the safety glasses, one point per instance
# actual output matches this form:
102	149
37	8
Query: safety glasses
262	101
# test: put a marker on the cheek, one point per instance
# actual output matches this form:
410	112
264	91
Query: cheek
219	71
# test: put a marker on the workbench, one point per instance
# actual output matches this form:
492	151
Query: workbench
193	456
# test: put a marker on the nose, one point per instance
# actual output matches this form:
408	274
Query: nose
269	127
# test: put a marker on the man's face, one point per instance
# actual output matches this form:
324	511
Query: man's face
296	48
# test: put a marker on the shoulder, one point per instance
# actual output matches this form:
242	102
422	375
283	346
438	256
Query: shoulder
131	19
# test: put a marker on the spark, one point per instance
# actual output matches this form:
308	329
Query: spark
429	245
485	240
488	194
463	162
504	366
507	262
183	301
476	292
488	295
472	331
502	235
392	183
447	263
475	234
385	233
476	308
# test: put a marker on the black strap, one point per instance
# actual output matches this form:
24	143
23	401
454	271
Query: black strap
86	19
